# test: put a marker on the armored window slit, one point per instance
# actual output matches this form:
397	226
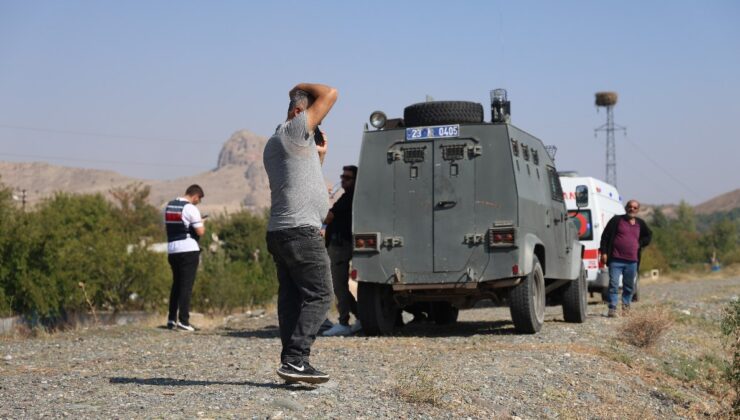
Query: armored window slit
525	152
514	147
413	154
454	152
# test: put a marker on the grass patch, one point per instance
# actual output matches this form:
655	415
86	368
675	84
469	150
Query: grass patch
708	371
618	355
645	328
421	385
731	331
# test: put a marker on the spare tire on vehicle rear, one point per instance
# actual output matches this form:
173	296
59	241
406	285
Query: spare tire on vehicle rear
442	112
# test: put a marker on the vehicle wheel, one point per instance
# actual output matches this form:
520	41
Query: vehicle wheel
444	313
376	309
527	301
442	112
575	299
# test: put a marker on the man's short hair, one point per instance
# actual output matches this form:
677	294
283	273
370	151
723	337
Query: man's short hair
302	99
195	189
351	168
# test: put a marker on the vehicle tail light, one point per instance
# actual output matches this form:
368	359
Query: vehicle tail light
367	242
515	269
353	274
501	238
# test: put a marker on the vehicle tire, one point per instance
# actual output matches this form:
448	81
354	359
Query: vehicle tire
443	313
376	309
527	301
442	112
575	299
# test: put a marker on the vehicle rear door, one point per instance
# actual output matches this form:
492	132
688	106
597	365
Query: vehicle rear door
454	203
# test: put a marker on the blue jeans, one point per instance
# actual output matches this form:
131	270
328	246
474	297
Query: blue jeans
628	270
304	293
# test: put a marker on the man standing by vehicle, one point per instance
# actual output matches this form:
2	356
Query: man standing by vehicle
184	227
339	244
621	247
299	203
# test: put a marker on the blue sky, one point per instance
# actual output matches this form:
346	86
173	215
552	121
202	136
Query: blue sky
153	88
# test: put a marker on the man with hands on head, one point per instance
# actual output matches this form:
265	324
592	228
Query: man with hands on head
292	159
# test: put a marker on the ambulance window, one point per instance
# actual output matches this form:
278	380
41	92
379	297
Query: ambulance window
584	227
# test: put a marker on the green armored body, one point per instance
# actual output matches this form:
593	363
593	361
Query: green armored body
449	210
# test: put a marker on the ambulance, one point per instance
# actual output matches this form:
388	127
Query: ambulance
604	202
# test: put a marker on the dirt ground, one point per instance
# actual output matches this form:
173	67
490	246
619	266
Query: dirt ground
477	368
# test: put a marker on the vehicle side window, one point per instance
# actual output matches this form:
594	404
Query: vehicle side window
556	190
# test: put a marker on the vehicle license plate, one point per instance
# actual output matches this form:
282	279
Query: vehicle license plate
435	132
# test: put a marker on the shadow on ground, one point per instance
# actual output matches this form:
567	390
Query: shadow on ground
426	329
190	382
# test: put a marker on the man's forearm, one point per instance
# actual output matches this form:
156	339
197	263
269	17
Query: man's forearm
315	89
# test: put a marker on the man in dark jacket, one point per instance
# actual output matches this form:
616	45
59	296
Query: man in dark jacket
339	244
621	248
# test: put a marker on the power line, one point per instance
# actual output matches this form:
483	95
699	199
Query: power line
657	165
98	160
112	136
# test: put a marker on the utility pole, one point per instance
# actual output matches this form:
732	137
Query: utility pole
608	100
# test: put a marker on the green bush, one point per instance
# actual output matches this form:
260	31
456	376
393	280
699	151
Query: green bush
71	239
690	241
67	241
731	330
239	272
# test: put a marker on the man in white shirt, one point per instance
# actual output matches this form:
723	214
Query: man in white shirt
184	228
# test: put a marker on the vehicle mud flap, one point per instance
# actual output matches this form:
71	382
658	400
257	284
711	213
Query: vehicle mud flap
376	308
575	299
527	301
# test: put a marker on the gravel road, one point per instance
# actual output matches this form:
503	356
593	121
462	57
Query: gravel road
478	368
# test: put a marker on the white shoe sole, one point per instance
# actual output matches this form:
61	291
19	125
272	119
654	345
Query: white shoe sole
308	379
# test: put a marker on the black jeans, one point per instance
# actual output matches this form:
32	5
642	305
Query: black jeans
340	253
184	266
304	294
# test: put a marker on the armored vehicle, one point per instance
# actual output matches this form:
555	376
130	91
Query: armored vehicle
449	210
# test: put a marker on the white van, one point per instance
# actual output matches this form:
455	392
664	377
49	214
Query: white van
604	202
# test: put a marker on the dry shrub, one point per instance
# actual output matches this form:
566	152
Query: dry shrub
644	328
421	385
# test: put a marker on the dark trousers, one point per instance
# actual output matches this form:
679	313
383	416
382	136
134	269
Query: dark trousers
184	266
340	253
304	294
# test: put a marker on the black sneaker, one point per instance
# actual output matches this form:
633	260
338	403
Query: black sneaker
171	324
302	372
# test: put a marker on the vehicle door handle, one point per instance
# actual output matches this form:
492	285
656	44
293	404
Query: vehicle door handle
446	204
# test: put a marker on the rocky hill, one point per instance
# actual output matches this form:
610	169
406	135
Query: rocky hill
239	181
724	202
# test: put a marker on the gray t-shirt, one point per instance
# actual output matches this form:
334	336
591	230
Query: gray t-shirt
299	194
